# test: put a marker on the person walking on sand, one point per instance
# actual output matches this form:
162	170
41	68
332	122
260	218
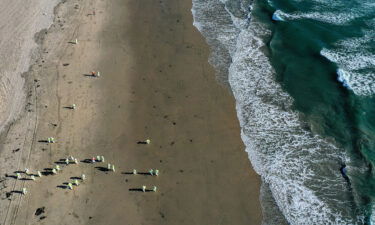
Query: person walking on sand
18	176
144	188
70	186
134	172
24	191
39	173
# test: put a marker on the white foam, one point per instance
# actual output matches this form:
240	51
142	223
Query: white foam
276	16
280	151
327	17
328	11
212	20
284	154
356	61
343	77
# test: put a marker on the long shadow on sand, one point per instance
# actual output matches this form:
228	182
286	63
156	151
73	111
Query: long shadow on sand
62	186
88	161
101	168
138	173
11	176
26	178
89	75
138	190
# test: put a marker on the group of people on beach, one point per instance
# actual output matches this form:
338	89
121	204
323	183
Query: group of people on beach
72	160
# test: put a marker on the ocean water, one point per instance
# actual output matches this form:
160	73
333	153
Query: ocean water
303	76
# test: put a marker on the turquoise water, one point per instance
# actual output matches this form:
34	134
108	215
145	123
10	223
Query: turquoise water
303	75
333	108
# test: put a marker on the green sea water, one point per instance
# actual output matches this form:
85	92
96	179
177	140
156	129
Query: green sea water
333	109
303	76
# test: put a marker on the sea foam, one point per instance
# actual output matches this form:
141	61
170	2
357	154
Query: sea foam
300	169
283	153
356	62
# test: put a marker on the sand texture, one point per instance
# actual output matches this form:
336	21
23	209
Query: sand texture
155	84
19	21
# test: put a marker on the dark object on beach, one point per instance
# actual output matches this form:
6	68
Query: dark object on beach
87	161
39	211
16	150
11	176
62	186
101	168
138	190
42	217
66	64
142	142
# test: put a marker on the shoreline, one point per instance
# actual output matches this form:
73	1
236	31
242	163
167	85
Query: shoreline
155	85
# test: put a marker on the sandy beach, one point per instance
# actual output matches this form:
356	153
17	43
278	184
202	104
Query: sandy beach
155	83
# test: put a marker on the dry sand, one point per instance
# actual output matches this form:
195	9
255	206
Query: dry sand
155	83
19	21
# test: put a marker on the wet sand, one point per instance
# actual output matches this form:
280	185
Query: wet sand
155	84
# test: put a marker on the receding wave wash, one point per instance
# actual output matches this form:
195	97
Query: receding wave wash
303	75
